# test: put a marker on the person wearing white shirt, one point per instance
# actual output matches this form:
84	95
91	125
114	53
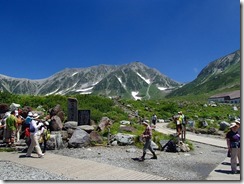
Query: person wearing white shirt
34	127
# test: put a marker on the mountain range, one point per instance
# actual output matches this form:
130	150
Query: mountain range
221	75
134	80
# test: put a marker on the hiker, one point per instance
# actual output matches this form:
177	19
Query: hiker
11	127
178	125
28	119
237	121
183	122
154	121
233	144
147	135
44	136
20	120
34	126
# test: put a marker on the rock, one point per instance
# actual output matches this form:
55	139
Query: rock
154	146
14	106
4	108
127	128
124	139
104	123
79	139
96	138
70	124
223	125
56	124
124	122
87	128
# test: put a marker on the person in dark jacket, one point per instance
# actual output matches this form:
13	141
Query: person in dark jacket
233	144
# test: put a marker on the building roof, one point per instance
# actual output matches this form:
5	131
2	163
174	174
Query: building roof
232	95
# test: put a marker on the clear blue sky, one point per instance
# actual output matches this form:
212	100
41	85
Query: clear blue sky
39	38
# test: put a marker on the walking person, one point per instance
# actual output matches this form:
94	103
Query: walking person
233	144
11	127
34	127
20	120
44	136
147	135
154	121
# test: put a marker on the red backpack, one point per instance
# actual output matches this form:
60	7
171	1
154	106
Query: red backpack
27	132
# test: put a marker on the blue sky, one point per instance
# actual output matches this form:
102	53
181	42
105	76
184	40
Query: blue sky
39	38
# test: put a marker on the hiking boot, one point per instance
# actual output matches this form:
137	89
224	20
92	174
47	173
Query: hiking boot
154	157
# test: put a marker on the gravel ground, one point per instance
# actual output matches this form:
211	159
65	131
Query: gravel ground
193	165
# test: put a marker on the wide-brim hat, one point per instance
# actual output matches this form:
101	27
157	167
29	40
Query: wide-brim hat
30	114
233	125
35	116
180	112
237	122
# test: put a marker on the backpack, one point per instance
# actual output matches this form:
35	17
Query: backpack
27	132
171	147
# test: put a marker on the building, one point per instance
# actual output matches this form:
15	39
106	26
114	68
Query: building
228	97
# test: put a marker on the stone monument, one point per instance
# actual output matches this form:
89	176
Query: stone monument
72	109
83	117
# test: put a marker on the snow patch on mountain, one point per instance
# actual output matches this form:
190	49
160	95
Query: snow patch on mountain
121	82
134	94
146	80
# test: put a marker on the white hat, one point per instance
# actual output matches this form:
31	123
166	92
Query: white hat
237	121
35	116
30	113
46	123
233	125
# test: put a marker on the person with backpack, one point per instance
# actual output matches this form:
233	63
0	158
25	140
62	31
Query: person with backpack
147	135
154	120
34	127
44	136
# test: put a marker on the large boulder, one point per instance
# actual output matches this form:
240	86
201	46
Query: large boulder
56	124
124	139
87	128
70	124
4	108
55	141
79	139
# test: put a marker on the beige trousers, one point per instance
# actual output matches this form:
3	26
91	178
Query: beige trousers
34	144
235	153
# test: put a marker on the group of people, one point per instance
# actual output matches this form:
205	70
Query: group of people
232	137
36	131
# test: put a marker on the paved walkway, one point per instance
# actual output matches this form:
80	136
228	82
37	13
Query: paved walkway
71	167
77	169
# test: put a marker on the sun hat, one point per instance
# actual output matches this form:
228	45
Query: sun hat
237	121
35	116
30	113
233	125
